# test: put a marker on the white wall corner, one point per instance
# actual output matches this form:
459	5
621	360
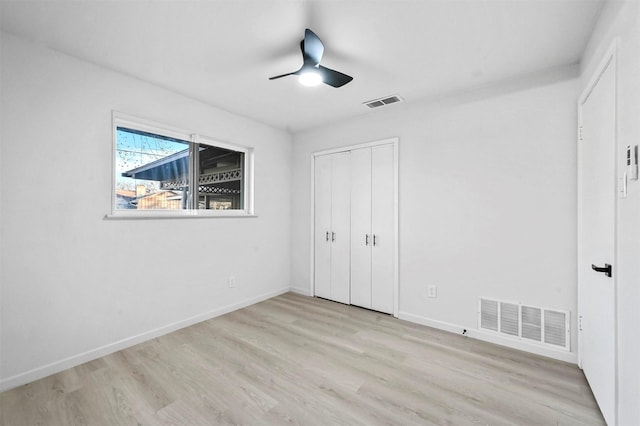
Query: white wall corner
301	290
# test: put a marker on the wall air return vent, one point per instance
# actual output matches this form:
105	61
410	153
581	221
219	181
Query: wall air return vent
489	314
548	327
376	103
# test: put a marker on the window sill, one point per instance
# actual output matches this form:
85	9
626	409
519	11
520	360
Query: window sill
147	216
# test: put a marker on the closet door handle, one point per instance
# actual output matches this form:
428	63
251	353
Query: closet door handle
366	239
327	235
374	240
333	236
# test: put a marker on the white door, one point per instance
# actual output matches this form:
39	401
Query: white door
597	200
382	209
361	238
372	228
322	226
331	226
340	226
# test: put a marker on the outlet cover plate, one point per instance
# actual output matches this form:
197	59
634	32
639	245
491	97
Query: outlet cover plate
432	291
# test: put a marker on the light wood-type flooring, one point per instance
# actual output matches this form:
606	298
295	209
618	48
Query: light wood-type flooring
300	360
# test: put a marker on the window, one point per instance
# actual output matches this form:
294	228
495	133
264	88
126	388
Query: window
166	172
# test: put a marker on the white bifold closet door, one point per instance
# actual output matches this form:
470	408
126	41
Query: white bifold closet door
332	227
372	228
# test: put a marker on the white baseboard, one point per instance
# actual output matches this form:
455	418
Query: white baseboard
75	360
303	291
486	336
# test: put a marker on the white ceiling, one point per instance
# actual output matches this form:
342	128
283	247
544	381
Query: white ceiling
223	51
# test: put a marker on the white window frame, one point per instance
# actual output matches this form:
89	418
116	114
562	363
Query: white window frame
124	120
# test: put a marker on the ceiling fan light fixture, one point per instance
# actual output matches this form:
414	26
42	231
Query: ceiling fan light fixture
312	73
310	78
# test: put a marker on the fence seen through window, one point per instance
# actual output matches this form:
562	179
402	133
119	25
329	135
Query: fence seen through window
157	172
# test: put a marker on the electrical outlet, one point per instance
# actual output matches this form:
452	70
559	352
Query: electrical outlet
232	281
432	291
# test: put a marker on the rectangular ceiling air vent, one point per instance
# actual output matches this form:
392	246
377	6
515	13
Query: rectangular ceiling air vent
382	101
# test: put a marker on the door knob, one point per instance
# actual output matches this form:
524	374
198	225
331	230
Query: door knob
606	269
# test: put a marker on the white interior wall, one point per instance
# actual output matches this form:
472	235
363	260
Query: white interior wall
487	198
74	285
620	22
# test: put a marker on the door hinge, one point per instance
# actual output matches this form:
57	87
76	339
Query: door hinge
580	323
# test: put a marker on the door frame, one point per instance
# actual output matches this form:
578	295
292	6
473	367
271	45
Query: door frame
610	59
395	142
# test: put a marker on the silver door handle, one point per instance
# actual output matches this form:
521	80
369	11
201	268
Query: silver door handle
366	239
374	240
327	235
333	236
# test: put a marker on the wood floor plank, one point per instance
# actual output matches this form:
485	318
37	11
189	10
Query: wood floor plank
308	361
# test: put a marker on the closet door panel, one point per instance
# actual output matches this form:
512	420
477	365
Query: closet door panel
340	227
382	216
322	226
361	239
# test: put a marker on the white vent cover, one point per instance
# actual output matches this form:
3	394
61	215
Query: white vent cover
509	319
382	101
548	327
489	314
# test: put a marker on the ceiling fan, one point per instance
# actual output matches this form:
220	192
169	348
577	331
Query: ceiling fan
312	73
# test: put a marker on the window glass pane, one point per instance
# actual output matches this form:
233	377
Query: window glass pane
220	178
151	171
154	172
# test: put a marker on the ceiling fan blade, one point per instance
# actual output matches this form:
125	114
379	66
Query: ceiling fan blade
333	78
312	48
284	75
